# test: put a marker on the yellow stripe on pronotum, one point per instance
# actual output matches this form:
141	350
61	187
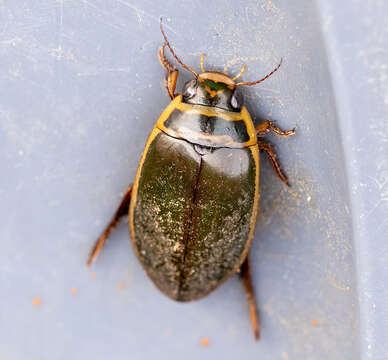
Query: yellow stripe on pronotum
243	115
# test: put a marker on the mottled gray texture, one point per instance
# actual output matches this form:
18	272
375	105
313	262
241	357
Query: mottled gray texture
80	89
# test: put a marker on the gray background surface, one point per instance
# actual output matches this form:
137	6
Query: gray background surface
81	88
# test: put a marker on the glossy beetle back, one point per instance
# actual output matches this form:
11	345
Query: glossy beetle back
193	214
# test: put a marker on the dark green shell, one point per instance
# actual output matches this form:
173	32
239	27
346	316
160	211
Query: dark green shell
192	216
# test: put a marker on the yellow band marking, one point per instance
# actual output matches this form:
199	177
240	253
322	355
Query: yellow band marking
208	111
255	210
213	93
155	132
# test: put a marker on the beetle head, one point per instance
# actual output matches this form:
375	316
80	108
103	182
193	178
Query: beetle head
213	88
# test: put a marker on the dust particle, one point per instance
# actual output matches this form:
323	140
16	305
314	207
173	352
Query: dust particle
121	286
205	342
314	322
93	275
36	301
74	290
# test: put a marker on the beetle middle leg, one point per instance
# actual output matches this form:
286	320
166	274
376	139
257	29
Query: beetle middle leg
247	281
121	211
172	75
268	126
269	149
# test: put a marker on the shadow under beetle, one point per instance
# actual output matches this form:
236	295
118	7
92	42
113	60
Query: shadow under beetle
194	202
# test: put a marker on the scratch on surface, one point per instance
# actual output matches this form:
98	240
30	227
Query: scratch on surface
382	190
274	103
13	42
239	59
142	13
333	281
127	69
58	51
269	6
105	13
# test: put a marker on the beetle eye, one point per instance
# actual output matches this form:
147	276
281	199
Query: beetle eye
236	101
189	89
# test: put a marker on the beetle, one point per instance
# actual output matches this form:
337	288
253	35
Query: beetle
193	205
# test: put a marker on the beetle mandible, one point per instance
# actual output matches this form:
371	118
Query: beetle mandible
193	205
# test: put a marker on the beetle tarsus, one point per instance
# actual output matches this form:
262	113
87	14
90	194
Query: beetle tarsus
121	211
172	72
268	126
268	148
247	281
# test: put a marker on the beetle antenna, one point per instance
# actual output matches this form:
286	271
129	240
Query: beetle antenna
173	53
240	73
202	57
265	77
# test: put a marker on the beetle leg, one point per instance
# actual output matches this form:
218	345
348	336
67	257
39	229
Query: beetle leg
247	281
172	75
268	148
121	211
268	126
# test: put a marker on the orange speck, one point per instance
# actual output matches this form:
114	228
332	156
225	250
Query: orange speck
93	275
121	286
314	322
205	342
74	290
36	301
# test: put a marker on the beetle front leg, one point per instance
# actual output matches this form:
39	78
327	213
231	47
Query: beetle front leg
268	126
172	75
121	211
247	281
268	148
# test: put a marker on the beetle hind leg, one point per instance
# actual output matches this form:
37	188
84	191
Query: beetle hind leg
172	75
245	275
268	148
121	211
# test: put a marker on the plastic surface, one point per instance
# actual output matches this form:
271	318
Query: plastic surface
81	88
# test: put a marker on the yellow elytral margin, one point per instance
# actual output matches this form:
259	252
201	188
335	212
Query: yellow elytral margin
209	111
154	133
255	209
